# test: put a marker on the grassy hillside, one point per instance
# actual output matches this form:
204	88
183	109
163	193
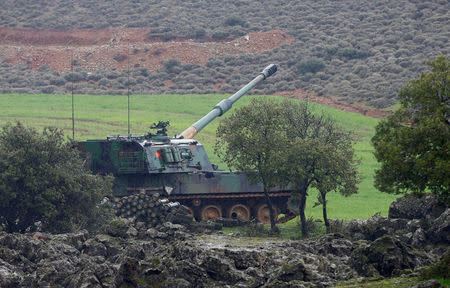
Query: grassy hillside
98	116
356	51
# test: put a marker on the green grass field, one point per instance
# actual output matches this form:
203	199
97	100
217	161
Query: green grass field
99	116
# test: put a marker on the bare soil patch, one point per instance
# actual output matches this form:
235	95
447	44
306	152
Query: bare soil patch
113	48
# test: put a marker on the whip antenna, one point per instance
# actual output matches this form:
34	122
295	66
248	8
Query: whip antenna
73	110
128	85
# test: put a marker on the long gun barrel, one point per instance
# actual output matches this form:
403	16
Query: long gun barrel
224	105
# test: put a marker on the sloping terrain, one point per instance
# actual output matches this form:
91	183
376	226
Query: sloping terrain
116	48
353	52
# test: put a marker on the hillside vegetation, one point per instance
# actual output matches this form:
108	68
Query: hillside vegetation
358	52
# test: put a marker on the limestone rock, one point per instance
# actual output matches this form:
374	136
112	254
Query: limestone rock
118	227
169	255
386	256
413	207
93	248
440	229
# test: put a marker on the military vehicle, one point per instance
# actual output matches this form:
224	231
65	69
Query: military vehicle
179	168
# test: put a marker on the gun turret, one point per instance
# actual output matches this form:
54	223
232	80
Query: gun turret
224	105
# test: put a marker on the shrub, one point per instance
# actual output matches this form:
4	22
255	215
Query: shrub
112	75
141	72
172	66
104	82
235	20
57	81
44	181
220	35
75	77
48	89
197	33
93	76
361	70
312	65
352	53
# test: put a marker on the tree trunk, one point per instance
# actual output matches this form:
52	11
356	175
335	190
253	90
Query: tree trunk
324	212
302	206
269	203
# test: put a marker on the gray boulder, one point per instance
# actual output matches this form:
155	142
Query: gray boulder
440	229
9	277
386	256
94	248
414	207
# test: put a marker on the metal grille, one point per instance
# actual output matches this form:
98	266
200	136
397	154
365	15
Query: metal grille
131	162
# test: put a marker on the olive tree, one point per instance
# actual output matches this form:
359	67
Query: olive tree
319	155
413	144
287	143
43	180
249	140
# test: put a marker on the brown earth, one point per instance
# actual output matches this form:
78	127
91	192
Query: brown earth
112	48
120	48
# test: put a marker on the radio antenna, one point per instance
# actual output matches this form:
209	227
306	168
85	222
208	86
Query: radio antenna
73	110
128	86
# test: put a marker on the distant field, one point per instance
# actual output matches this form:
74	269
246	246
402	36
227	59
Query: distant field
99	116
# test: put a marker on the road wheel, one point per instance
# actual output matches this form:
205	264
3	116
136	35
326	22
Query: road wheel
211	212
263	213
239	211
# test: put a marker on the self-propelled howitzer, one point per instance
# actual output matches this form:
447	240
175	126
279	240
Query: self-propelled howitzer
145	165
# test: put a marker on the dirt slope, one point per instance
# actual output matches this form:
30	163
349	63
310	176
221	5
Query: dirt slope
112	48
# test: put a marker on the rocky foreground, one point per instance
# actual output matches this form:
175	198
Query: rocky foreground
172	255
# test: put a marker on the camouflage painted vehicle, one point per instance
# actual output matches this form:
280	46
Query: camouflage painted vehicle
180	169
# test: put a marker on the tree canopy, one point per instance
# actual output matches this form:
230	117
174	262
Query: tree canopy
43	180
249	140
413	144
319	155
287	142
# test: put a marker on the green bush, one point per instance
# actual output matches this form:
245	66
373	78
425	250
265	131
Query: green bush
220	35
235	20
197	33
351	53
312	65
43	180
172	66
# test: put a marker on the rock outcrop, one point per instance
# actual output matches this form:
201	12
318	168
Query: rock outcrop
415	221
130	254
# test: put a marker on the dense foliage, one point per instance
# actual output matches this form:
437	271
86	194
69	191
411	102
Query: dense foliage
43	181
278	143
320	155
249	139
413	144
355	51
